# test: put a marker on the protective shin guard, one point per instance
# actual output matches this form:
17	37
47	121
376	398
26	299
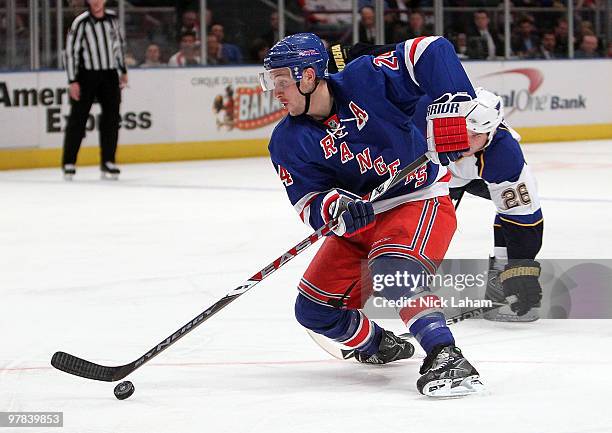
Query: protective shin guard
348	327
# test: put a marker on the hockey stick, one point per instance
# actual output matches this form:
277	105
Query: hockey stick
343	352
459	199
83	368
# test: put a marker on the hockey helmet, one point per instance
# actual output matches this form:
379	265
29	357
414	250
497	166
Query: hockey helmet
488	114
296	53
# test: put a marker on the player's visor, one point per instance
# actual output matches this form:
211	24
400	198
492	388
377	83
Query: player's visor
280	79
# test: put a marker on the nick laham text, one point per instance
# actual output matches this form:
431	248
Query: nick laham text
432	302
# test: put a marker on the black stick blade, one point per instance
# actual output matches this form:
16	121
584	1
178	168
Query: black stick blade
80	367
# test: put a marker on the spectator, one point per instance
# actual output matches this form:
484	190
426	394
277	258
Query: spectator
526	42
416	26
403	6
22	42
230	52
461	47
215	54
592	4
482	43
152	57
547	46
190	23
588	47
188	53
395	30
586	27
258	50
271	36
327	20
609	50
367	25
130	59
561	37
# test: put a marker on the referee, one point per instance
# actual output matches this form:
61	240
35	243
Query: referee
94	60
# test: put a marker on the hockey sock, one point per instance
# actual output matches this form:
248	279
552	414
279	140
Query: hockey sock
431	331
360	332
422	315
349	327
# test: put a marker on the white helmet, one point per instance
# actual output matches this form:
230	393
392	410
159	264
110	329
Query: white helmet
487	115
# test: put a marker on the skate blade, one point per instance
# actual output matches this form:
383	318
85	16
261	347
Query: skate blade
454	387
68	177
109	176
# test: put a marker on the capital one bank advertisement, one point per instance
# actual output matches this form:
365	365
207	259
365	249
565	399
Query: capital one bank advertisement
199	105
549	93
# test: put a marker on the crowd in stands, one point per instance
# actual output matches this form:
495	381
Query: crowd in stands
539	29
475	35
187	49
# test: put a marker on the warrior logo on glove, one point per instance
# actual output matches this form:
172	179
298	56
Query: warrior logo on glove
447	135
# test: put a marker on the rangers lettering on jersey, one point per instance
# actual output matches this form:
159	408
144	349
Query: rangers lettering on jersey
381	93
365	160
345	153
329	148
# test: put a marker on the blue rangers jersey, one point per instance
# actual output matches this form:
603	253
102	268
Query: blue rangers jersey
370	133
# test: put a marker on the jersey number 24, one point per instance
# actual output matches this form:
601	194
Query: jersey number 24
387	59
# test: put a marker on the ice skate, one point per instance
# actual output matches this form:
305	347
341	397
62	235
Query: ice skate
109	171
69	171
391	348
446	373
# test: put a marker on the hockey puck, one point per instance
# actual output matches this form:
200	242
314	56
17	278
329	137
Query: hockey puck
124	390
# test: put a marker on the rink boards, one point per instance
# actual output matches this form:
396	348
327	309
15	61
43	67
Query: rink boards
220	112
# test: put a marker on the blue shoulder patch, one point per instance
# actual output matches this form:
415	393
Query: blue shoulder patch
502	160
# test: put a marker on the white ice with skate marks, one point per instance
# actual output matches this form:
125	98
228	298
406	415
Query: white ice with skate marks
105	270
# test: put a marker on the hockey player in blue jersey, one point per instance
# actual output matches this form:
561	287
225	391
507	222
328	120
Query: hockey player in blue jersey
345	134
494	168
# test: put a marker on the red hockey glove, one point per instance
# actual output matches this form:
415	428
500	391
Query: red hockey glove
447	136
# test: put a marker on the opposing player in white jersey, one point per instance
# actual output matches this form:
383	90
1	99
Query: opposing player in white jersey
495	168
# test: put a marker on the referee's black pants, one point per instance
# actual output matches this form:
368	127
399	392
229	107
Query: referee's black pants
103	85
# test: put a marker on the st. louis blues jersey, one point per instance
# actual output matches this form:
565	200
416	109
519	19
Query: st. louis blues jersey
513	190
370	134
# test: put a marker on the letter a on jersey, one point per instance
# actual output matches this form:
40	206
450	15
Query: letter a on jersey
360	114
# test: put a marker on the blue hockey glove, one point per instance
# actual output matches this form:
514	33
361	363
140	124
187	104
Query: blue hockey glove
446	158
354	215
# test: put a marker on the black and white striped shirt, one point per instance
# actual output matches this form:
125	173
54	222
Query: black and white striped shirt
94	44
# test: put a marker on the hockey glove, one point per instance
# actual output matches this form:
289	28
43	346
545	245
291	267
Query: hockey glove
520	278
354	215
447	136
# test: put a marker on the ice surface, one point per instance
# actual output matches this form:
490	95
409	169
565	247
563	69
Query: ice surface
104	270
